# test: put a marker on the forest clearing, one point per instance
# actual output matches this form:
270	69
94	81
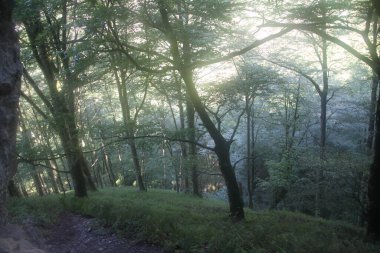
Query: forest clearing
190	125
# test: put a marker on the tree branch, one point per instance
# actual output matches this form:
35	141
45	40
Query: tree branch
316	85
34	105
309	27
241	51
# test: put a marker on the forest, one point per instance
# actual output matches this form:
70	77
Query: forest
173	121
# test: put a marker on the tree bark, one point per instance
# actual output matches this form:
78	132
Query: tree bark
249	163
374	87
184	153
13	189
192	148
222	146
372	113
373	225
62	105
129	125
10	82
222	149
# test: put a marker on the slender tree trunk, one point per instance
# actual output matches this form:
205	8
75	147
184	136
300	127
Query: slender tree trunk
10	81
22	185
372	113
249	163
323	125
184	153
53	164
129	124
252	155
37	181
52	179
192	147
137	166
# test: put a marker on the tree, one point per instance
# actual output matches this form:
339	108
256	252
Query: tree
253	81
366	13
185	50
49	40
10	83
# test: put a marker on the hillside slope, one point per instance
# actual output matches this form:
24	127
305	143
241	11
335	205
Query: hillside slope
182	223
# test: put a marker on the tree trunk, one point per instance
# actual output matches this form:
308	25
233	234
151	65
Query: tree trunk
52	179
372	112
75	160
373	226
10	82
323	125
222	149
61	103
136	164
192	147
37	181
13	189
249	163
184	154
129	124
23	189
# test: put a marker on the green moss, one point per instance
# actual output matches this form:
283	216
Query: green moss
190	224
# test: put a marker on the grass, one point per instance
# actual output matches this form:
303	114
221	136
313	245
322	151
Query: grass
183	223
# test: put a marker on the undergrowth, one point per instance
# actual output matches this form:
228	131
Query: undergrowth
183	223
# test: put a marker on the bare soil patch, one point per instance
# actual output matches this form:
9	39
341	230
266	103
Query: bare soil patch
71	234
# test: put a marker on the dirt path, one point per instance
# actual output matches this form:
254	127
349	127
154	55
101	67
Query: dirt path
72	234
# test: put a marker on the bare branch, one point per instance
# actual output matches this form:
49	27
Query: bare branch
311	28
241	51
39	92
316	85
34	105
34	163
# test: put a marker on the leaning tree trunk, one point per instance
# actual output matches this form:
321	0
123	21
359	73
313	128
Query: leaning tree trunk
222	149
10	81
222	146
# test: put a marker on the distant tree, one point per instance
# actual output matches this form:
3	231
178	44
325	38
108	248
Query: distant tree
359	18
10	82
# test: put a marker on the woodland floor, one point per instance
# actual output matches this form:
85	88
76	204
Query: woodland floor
71	234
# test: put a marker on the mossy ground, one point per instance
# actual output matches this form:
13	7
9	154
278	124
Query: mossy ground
183	223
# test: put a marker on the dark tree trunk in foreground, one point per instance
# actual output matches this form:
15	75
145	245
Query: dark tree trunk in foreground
373	226
13	189
10	81
372	112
